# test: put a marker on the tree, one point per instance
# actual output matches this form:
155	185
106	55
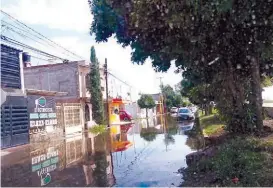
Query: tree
168	94
149	134
94	87
147	102
227	44
172	98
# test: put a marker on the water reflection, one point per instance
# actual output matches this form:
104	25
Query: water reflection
146	153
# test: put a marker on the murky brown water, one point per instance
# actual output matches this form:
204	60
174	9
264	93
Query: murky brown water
142	154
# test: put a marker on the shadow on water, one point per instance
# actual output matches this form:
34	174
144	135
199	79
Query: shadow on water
146	153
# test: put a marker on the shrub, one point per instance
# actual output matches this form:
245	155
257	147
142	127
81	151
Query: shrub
98	129
243	158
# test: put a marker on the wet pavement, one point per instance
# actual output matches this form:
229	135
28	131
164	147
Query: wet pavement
143	154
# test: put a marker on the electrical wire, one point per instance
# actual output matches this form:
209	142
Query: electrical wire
27	34
40	34
9	40
119	79
23	35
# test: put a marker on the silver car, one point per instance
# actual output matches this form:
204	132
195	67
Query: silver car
185	114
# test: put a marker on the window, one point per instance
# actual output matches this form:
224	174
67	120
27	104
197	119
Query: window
72	115
184	110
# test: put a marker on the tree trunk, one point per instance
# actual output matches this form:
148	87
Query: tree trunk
146	112
206	110
210	109
257	93
236	123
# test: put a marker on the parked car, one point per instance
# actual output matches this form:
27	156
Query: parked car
174	110
193	109
185	114
125	116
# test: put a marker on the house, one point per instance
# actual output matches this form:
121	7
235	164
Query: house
158	101
267	95
14	114
72	78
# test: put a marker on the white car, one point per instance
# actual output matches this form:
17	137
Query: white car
174	110
193	109
185	114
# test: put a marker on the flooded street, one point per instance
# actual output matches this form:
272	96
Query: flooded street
143	154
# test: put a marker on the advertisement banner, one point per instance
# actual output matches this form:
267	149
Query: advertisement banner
42	114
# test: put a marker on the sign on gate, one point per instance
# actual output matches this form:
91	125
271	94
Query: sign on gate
42	113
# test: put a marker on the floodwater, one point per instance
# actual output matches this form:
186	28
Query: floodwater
143	154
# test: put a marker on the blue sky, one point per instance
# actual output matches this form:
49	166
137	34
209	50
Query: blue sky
67	22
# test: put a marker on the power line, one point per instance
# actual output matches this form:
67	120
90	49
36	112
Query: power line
27	33
9	40
119	79
23	35
40	34
35	57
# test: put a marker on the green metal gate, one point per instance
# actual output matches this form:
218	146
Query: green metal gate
14	125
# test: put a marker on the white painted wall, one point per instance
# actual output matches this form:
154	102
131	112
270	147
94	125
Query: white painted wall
267	96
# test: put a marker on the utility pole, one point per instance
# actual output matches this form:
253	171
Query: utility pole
107	100
161	97
160	78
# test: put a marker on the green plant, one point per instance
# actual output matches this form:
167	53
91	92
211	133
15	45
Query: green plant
241	158
147	102
213	129
98	129
94	87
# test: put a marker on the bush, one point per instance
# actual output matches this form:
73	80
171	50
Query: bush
98	129
242	158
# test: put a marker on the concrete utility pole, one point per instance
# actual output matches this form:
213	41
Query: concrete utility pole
107	100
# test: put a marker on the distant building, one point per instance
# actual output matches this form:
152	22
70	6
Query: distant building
158	101
71	77
267	96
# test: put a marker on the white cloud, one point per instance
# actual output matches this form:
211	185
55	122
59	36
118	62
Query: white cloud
56	14
75	15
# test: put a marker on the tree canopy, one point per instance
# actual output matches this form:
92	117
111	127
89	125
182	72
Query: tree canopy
146	101
224	44
172	98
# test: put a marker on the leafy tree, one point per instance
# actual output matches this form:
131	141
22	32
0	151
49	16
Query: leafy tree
178	100
94	87
168	94
148	134
172	98
147	102
227	44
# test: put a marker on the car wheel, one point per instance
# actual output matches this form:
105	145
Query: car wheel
125	119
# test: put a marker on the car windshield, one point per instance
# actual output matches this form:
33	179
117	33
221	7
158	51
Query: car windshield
184	110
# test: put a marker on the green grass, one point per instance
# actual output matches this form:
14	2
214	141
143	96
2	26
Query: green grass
213	129
98	129
211	124
242	157
202	113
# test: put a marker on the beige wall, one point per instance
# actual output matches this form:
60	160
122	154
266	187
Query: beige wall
83	72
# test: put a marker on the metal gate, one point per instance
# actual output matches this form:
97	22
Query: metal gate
14	126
